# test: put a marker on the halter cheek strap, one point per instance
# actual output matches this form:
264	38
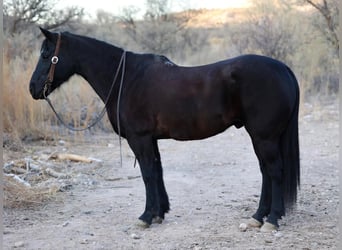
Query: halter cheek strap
54	61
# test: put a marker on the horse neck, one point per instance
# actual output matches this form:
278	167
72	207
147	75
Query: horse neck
97	63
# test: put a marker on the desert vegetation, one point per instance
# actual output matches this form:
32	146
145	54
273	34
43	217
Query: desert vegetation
302	33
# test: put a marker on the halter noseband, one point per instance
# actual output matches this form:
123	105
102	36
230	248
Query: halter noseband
54	61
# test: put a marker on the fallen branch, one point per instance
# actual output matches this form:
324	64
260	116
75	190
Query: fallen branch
71	157
20	167
34	167
13	169
95	160
55	174
16	167
18	179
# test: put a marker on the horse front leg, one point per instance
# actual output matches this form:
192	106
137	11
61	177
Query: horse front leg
143	148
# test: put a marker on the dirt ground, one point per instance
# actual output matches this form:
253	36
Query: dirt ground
213	185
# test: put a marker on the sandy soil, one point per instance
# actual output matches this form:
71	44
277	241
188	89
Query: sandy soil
213	185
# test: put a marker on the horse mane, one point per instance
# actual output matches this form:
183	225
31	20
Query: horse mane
91	40
105	45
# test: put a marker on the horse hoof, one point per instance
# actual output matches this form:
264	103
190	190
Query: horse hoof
243	227
142	224
253	223
157	220
268	227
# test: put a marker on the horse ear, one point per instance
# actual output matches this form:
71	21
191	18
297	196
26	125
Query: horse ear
46	33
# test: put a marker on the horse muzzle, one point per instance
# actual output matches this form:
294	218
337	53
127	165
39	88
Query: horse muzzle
36	93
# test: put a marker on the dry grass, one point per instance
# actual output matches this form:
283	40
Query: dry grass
17	195
26	118
21	114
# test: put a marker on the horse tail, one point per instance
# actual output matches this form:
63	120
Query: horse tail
290	153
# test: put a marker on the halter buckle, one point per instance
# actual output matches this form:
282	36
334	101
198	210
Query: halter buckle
54	60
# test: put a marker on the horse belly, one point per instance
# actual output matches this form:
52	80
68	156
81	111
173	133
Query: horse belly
193	128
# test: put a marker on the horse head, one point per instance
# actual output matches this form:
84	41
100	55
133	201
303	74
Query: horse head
54	66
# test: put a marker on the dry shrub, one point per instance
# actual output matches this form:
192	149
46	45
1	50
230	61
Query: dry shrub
17	195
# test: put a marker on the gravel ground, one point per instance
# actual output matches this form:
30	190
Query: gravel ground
213	185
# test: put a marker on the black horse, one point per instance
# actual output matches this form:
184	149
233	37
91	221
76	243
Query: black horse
158	99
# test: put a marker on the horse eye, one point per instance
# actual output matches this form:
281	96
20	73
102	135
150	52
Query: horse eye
45	53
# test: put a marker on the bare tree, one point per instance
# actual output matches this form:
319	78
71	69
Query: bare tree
128	17
19	14
329	11
267	31
157	9
159	31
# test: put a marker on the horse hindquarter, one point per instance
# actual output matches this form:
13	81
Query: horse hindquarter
270	100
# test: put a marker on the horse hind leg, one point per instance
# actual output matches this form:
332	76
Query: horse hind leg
164	205
271	201
264	208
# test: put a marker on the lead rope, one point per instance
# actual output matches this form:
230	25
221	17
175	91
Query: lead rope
71	127
103	111
123	58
